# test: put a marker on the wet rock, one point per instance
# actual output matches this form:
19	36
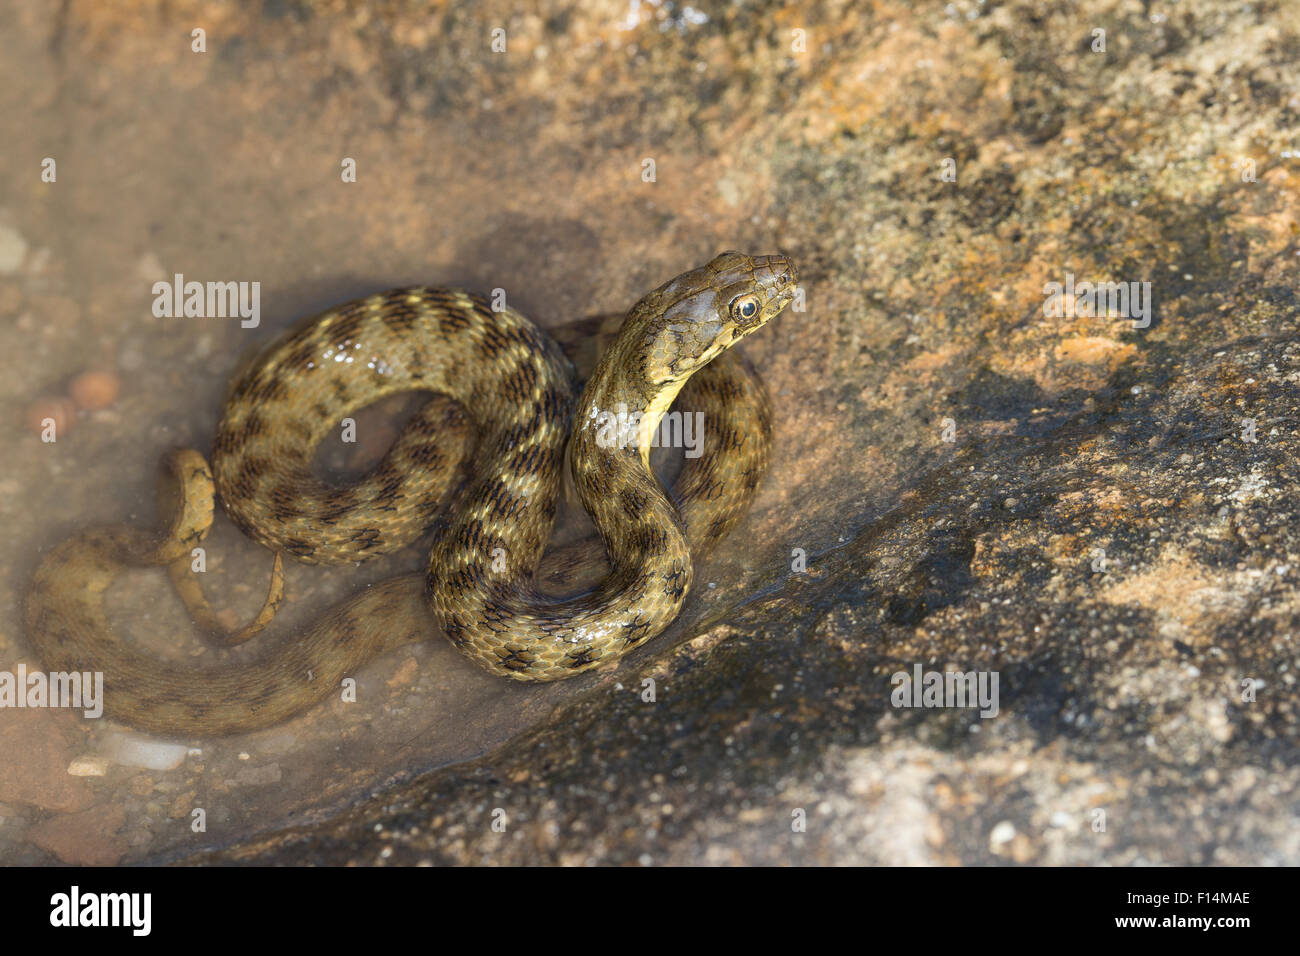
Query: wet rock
88	765
36	748
88	838
1097	503
50	416
95	389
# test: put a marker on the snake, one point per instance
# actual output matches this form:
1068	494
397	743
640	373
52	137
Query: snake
518	413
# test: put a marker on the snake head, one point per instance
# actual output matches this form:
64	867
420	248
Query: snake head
688	321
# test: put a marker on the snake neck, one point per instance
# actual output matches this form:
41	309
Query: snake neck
619	411
609	452
499	617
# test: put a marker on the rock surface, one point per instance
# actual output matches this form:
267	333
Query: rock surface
1101	508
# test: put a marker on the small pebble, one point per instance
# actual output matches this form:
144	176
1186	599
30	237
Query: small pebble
13	249
88	765
135	750
1004	832
130	358
61	410
95	390
150	269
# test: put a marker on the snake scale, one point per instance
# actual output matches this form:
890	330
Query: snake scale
514	388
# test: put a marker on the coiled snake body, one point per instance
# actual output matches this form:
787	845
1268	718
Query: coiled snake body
519	391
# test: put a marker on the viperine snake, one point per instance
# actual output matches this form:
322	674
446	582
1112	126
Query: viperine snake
519	393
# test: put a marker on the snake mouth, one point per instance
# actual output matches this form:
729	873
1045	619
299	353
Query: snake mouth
779	274
783	297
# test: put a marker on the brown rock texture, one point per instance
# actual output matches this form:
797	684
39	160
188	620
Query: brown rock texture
88	838
36	748
1098	503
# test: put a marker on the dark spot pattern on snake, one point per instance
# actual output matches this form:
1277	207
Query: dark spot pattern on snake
511	383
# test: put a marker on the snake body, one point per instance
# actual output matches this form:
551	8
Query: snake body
514	388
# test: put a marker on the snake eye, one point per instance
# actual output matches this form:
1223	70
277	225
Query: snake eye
744	308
